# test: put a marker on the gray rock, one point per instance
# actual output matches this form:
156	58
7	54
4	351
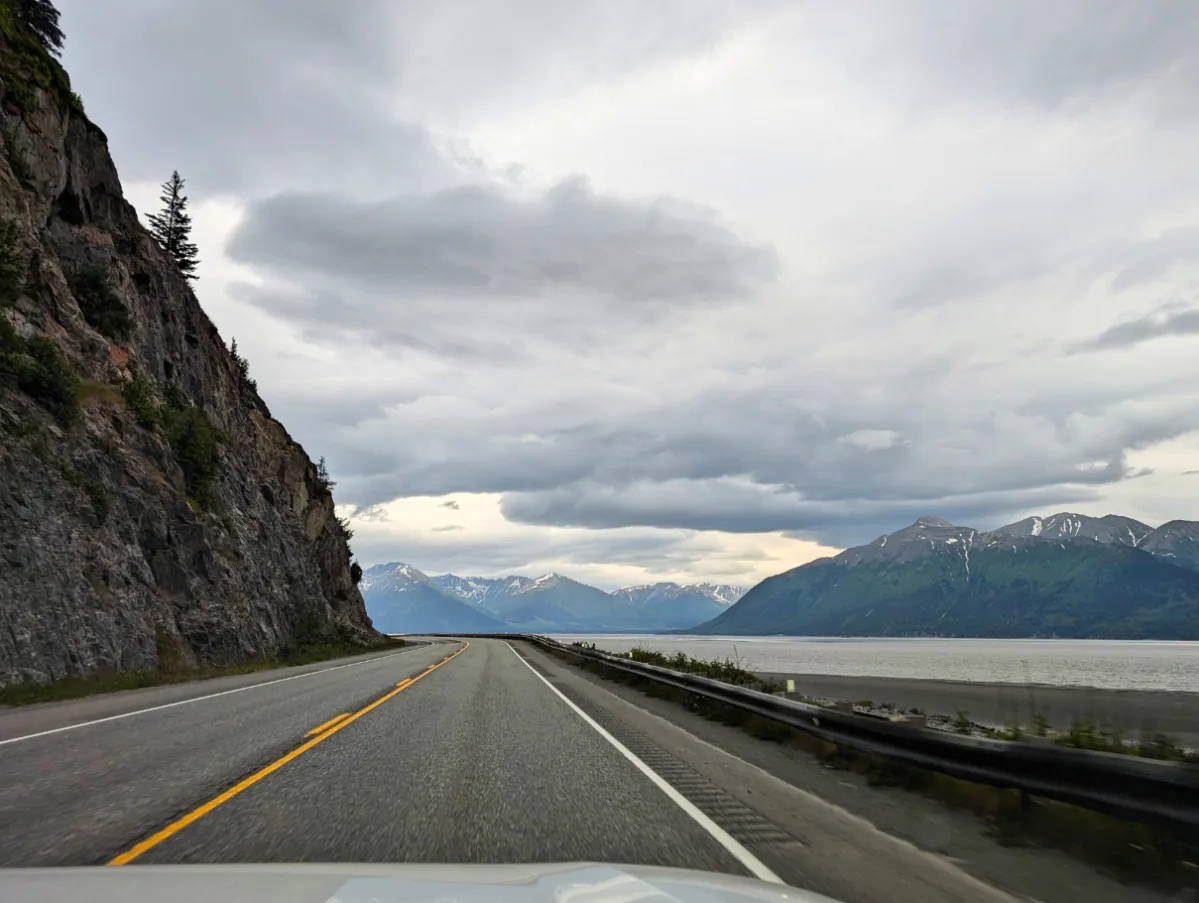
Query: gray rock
104	562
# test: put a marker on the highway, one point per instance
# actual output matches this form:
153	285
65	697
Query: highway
445	752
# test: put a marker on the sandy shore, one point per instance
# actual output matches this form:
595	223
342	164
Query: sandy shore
1146	711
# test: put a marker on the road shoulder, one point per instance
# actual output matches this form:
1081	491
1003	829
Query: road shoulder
855	842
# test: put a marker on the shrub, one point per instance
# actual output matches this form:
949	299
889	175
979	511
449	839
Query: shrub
38	368
194	441
962	723
356	572
100	305
140	397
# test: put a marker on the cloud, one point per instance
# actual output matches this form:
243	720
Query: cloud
827	267
450	504
1143	329
448	528
482	241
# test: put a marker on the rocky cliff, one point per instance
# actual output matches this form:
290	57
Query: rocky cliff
152	513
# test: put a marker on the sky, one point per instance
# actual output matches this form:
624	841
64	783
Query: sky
688	289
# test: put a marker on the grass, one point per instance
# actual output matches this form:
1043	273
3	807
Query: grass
728	670
1128	850
114	681
91	393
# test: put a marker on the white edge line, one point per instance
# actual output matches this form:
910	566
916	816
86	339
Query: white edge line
171	705
740	853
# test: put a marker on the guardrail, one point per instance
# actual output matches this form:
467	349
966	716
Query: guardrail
1139	789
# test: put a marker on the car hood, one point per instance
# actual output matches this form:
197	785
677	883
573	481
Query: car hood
451	883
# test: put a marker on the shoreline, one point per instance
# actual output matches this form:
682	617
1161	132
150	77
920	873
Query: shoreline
1137	712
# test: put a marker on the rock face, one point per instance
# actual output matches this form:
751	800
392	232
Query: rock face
106	562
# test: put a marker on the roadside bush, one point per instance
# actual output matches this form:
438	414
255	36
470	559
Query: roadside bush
728	671
103	310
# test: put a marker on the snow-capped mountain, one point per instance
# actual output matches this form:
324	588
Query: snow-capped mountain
554	602
480	590
1064	575
1111	528
720	593
401	599
674	605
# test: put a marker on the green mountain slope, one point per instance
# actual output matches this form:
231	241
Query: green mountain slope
935	579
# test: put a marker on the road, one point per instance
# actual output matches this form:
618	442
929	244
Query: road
441	753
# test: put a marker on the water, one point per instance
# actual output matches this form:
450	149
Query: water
1116	664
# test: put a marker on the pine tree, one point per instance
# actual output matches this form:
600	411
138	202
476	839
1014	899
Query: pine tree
172	228
41	18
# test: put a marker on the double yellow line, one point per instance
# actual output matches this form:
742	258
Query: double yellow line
328	729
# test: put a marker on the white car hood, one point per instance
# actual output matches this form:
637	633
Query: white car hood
450	883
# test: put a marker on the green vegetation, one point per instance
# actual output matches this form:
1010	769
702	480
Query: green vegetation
243	369
1084	734
103	310
173	226
323	480
193	439
728	670
141	401
30	27
37	367
113	681
91	392
1094	591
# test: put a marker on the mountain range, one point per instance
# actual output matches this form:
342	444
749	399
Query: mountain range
1067	575
401	599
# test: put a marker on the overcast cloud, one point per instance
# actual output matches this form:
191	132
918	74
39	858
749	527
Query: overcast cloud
693	289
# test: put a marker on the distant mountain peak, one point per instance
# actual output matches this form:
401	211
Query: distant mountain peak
936	522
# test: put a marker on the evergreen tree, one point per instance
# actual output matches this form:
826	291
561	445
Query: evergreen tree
41	18
322	476
172	228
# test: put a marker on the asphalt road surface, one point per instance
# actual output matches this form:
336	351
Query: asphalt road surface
441	753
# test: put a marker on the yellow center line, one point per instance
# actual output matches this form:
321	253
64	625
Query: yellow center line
332	721
196	814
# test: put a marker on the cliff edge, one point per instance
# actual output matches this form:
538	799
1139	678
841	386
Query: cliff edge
152	512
